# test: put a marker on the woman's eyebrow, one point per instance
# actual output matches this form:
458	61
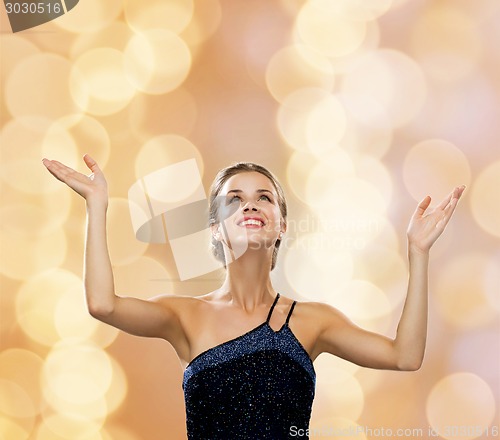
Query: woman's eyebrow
240	191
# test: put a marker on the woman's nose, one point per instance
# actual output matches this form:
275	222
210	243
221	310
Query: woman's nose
249	206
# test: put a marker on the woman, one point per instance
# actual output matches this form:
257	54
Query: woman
248	349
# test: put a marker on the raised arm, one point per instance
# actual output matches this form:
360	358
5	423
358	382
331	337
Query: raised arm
341	337
156	317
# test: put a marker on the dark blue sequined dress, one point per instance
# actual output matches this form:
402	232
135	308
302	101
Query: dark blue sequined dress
258	386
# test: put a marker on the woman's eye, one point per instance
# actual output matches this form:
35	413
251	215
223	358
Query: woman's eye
266	197
234	198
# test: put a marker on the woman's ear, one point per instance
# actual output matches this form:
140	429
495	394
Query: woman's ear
215	228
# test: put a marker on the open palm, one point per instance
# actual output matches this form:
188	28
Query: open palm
425	228
93	186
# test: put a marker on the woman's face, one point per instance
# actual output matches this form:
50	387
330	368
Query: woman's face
249	213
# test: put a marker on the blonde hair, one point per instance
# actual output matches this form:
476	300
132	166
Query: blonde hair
220	179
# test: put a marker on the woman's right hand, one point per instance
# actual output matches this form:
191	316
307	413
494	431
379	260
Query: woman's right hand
93	188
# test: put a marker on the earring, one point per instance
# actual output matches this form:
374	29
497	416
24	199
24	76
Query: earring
281	236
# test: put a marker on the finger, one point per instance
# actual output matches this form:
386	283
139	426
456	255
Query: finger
422	206
446	200
91	163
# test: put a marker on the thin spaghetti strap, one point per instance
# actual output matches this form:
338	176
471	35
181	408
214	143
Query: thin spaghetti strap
272	307
290	312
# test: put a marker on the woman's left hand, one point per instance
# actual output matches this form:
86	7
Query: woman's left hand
425	228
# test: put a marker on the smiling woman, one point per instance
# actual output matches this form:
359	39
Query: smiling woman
248	350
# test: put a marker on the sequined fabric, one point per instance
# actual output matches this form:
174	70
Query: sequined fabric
258	386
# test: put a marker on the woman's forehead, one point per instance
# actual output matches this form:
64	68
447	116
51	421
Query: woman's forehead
250	182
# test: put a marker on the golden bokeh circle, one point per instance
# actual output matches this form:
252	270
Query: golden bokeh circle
391	78
205	22
59	426
315	264
157	61
23	144
338	392
355	10
460	293
483	192
23	255
35	312
460	407
77	372
28	96
98	82
10	429
296	67
443	165
91	16
329	32
447	43
164	150
300	164
15	402
23	368
173	16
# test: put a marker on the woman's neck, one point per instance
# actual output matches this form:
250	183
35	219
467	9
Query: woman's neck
248	281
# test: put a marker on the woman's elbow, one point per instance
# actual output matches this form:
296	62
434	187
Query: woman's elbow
409	364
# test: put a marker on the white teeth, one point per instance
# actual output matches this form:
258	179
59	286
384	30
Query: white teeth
251	222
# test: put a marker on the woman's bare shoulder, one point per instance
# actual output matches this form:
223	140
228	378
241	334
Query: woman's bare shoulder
318	312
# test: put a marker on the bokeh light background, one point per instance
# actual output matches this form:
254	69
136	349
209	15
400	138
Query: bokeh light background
361	108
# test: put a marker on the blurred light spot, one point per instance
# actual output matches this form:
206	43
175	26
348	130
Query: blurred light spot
123	247
484	192
143	278
338	392
87	132
9	429
23	145
64	426
481	344
155	115
344	193
392	79
375	172
447	43
98	82
315	263
460	406
343	65
14	401
294	115
369	129
443	165
118	432
173	15
157	61
118	387
331	169
23	255
35	219
491	281
91	16
295	67
460	292
357	10
115	36
35	312
336	427
206	20
77	372
362	301
298	168
327	31
165	150
22	368
385	268
71	317
326	125
36	81
15	49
